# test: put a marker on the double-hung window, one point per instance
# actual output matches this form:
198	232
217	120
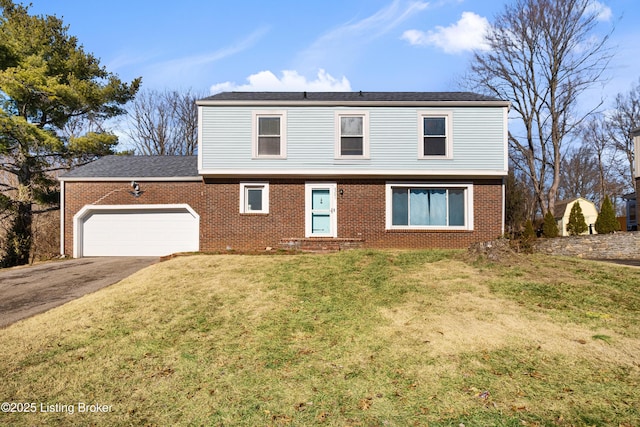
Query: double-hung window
436	140
352	135
254	197
413	206
269	135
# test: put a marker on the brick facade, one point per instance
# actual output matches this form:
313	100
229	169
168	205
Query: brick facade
361	211
79	194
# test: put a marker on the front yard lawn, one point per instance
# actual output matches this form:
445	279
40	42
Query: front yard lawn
357	338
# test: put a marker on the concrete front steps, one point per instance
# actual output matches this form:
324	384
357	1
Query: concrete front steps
320	244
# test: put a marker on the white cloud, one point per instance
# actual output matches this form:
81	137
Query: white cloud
602	11
465	35
290	81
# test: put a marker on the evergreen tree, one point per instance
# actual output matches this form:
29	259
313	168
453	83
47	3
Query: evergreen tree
577	225
47	83
549	227
528	236
515	202
607	221
529	233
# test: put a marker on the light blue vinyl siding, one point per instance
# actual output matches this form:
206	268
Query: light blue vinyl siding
478	140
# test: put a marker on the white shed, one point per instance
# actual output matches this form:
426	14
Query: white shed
563	210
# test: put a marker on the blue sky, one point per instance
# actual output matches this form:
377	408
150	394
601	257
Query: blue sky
369	45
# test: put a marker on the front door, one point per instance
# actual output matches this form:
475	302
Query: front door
320	210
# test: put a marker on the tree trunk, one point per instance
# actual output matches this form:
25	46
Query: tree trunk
17	245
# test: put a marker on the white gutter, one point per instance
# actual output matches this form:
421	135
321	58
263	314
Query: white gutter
132	178
351	173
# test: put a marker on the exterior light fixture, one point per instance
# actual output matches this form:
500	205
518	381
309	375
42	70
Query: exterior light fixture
136	189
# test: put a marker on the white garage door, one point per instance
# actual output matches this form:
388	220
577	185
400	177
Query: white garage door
154	231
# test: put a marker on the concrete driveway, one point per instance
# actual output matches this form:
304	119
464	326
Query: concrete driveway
25	291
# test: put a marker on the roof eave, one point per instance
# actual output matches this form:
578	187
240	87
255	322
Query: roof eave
351	174
335	103
131	178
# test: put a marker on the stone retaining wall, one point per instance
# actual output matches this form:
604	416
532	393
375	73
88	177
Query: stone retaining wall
597	246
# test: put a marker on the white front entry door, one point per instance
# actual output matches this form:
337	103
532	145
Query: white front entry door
320	210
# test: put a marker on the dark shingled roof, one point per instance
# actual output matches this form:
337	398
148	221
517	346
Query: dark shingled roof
137	167
353	96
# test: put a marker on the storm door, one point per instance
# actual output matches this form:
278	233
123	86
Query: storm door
320	210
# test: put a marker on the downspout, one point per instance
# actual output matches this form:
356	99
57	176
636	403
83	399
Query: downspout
62	219
504	204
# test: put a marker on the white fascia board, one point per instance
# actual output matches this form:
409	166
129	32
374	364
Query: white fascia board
86	209
224	173
133	178
506	138
200	121
636	150
307	103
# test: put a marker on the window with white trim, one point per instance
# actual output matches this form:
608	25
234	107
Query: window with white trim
413	206
352	134
254	197
436	140
269	134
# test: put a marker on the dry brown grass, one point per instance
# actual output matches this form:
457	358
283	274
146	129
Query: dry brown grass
468	317
356	338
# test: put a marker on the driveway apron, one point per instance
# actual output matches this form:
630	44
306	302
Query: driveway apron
26	291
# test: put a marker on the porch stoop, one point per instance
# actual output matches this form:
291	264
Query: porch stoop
320	244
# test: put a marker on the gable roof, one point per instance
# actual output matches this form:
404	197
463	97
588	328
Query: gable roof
560	208
125	168
351	98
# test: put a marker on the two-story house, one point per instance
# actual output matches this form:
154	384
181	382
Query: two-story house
305	170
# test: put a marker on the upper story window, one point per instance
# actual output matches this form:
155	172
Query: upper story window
269	134
352	135
436	140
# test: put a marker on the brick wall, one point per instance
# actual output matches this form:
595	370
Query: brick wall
360	212
226	228
79	194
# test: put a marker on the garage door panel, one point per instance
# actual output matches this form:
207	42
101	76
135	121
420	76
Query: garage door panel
131	232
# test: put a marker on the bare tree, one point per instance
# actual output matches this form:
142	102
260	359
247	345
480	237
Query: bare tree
543	55
596	139
581	175
187	114
164	123
620	123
